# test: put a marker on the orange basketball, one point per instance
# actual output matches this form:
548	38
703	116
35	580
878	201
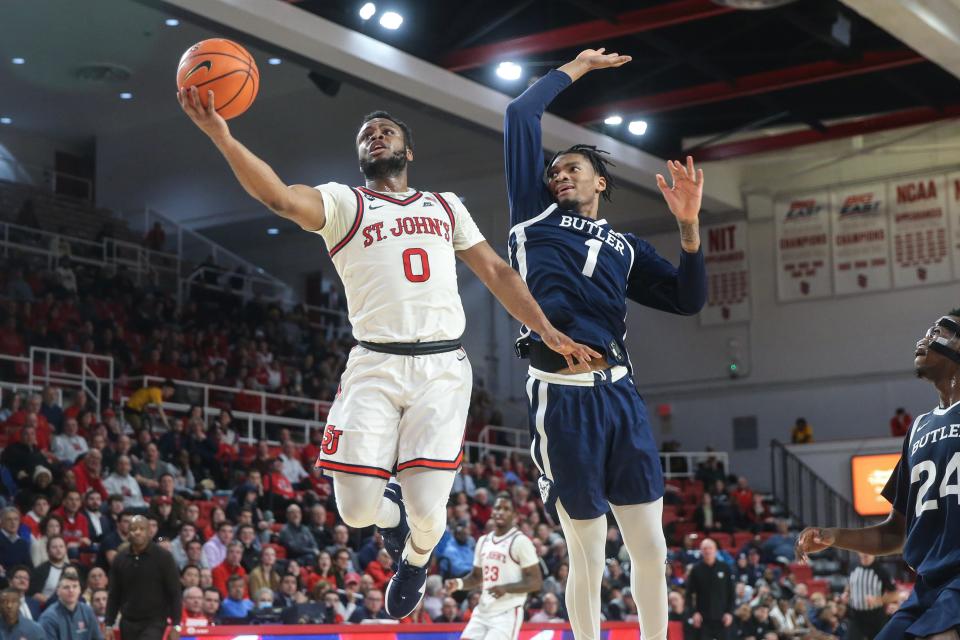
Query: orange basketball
224	67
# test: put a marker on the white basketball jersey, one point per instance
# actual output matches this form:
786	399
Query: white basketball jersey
502	561
395	254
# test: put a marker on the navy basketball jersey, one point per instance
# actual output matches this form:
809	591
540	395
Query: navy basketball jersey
578	269
928	494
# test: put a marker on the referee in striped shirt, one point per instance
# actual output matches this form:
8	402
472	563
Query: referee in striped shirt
871	588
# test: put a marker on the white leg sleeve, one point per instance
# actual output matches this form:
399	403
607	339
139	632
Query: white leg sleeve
361	503
586	542
642	531
425	496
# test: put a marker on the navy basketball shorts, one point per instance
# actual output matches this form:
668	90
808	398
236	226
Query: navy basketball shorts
592	441
929	610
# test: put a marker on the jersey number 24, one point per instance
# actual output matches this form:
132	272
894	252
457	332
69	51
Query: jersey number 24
929	467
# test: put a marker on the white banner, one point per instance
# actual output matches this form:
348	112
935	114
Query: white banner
861	250
728	274
803	247
918	231
953	208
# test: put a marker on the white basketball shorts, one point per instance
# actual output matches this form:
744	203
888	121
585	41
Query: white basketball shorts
498	626
396	412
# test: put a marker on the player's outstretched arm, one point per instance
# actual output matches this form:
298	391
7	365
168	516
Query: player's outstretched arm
590	59
299	203
510	289
531	580
468	582
883	539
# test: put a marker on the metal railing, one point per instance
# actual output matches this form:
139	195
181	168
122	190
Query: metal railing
211	394
805	495
47	177
81	375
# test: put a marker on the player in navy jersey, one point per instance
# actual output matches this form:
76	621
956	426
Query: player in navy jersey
924	490
591	438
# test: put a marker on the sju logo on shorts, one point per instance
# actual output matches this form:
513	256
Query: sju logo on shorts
331	439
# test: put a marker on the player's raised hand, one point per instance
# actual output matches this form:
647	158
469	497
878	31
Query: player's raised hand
578	356
590	59
685	194
452	586
600	59
206	118
812	540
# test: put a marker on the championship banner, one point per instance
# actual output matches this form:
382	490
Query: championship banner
952	196
803	247
728	274
861	250
918	231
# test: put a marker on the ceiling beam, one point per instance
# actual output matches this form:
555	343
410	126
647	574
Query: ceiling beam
751	85
906	118
594	31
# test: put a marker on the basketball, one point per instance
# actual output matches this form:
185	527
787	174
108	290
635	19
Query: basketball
224	67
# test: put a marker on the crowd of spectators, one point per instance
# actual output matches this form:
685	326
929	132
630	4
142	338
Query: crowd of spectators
254	527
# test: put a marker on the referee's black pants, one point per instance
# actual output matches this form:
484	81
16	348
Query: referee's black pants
712	630
143	629
865	623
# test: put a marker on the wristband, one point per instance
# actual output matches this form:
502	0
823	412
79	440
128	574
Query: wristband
459	584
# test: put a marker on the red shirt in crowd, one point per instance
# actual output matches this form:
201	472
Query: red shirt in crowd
85	482
75	528
278	483
222	572
900	424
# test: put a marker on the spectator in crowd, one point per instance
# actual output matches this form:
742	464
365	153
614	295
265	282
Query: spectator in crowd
289	593
381	569
215	549
120	482
292	469
76	529
88	472
297	538
149	471
551	611
265	575
320	527
51	409
188	532
96	579
23	457
371	609
39	508
14	548
12	622
156	238
193	614
69	618
236	605
69	445
229	568
780	547
710	594
142	399
455	553
900	423
802	432
46	576
449	612
98	523
19	578
211	604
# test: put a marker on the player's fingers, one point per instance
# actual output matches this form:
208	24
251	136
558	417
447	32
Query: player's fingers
676	172
569	360
210	107
662	183
700	178
195	99
690	171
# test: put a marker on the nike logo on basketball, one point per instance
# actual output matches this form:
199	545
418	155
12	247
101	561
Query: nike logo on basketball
205	64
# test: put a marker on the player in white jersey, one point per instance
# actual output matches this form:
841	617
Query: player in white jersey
403	398
506	565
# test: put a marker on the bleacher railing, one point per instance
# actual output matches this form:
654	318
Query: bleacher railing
73	371
805	495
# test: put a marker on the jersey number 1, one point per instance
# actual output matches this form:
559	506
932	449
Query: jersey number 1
424	268
592	254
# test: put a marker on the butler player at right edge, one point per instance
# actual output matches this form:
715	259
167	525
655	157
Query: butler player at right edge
591	438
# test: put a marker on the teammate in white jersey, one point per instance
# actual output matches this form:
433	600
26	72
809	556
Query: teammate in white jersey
506	565
404	395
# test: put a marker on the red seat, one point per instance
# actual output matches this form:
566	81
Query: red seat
818	586
801	572
279	548
722	538
684	528
741	538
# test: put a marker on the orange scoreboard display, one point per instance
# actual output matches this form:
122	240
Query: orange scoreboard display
870	473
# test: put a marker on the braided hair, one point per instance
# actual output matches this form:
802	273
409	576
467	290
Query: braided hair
598	160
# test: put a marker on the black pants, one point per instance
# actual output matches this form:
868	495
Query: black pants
866	623
143	629
712	630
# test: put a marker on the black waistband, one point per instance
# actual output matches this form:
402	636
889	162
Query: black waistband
412	348
546	359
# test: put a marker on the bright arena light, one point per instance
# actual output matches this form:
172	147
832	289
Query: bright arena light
638	127
274	61
613	120
509	71
367	11
126	95
172	22
391	20
6	120
273	231
17	60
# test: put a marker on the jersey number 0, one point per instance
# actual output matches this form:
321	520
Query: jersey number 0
422	274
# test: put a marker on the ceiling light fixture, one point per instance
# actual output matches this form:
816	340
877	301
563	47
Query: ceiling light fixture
172	22
367	11
6	120
637	127
126	95
274	61
509	70
613	120
17	60
391	20
273	231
